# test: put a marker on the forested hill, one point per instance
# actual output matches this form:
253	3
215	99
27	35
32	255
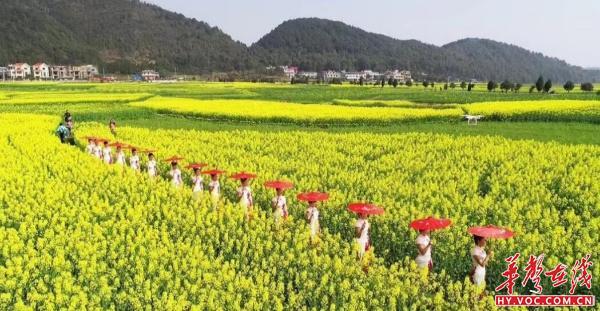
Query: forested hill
124	35
316	44
129	35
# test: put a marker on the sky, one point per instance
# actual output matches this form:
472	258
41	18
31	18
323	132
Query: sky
565	29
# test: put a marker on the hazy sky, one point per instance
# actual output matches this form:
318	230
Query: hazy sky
569	30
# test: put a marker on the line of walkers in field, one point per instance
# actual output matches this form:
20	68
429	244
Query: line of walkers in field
103	150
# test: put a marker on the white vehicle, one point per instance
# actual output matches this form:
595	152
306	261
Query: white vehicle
472	119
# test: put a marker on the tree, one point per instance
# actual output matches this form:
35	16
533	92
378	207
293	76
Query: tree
395	83
531	89
587	87
452	85
445	86
361	81
518	87
390	81
492	85
569	86
463	85
506	86
382	82
470	87
539	84
425	84
432	84
409	83
547	86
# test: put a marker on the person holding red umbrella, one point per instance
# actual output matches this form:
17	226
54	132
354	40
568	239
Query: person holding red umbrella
214	186
120	155
279	202
244	192
97	149
312	213
197	180
362	225
423	241
91	146
151	166
478	253
107	153
134	160
175	173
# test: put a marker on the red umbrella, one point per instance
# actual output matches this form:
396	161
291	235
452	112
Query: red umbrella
243	175
102	140
213	172
196	165
148	151
119	145
430	223
313	196
279	184
491	231
365	208
174	159
90	138
132	148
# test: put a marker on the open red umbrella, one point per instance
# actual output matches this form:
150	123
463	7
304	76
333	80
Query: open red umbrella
103	140
492	232
213	172
196	165
119	144
148	151
430	223
279	184
90	138
313	196
365	208
174	159
243	175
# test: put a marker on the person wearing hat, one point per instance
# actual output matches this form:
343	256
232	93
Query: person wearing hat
424	245
362	227
107	153
312	217
480	260
197	183
244	194
134	160
120	156
279	205
175	174
91	146
152	166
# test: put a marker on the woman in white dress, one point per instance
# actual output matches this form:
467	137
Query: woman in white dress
279	206
480	260
107	153
312	217
120	156
214	186
197	183
91	146
244	194
98	150
424	246
152	166
134	160
362	234
175	174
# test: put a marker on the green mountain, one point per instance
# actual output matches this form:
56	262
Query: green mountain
120	35
316	44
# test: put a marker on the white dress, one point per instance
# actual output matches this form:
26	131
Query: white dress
152	168
120	160
134	162
280	207
423	260
98	152
245	194
479	275
107	155
363	239
215	193
313	221
176	175
90	149
197	183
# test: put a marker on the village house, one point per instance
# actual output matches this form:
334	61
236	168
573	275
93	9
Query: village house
353	76
84	72
3	73
308	74
329	75
19	70
150	75
41	71
401	76
60	72
289	71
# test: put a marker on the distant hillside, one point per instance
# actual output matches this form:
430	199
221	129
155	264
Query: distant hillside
124	35
315	44
129	35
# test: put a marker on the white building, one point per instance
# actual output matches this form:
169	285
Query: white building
353	76
3	73
41	71
19	70
289	71
150	75
308	74
84	72
60	72
401	76
329	75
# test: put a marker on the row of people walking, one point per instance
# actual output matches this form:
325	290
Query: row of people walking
102	149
